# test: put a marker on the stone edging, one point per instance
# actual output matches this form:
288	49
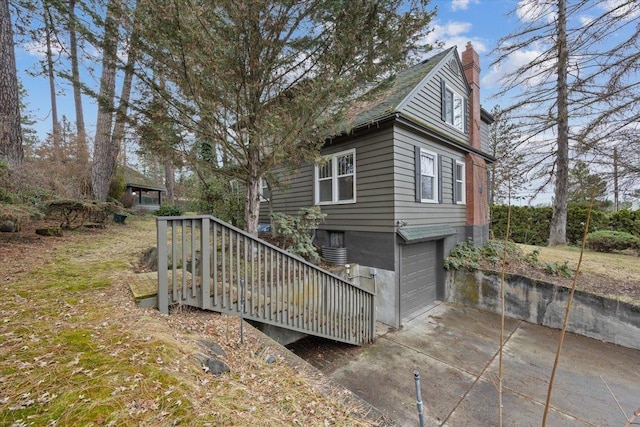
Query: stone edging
544	303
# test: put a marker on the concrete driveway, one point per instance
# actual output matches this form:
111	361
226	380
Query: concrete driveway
455	349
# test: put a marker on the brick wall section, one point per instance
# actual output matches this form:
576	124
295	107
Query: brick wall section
476	168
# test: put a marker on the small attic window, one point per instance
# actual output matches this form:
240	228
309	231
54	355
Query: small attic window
454	67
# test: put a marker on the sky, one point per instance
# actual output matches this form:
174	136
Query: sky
482	22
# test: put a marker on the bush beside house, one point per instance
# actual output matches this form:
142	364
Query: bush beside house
530	225
609	241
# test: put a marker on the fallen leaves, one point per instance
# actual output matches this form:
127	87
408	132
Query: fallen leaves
90	356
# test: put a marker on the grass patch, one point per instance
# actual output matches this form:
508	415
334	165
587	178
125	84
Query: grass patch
618	266
76	351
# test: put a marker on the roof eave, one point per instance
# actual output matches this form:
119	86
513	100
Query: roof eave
145	186
396	117
460	146
486	116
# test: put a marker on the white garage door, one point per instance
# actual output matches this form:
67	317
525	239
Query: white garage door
418	277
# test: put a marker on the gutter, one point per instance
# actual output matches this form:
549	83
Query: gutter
409	122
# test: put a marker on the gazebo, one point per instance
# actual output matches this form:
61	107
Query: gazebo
148	194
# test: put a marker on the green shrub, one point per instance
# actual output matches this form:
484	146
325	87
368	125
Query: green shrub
576	218
118	185
626	220
466	255
463	255
217	197
558	268
296	231
533	258
168	210
495	249
608	241
529	225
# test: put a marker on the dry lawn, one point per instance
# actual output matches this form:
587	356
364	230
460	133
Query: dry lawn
618	266
77	351
610	274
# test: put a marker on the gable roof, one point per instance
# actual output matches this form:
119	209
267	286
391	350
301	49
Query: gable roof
135	179
388	97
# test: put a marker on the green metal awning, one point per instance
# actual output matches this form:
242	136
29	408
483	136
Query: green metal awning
425	233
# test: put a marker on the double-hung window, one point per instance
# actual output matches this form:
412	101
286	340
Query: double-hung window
428	176
459	180
454	108
335	179
265	194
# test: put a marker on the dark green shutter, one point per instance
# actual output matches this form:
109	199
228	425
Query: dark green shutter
439	178
454	175
443	100
418	174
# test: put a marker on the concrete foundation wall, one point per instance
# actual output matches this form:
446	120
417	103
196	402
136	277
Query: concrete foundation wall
451	241
281	335
383	284
478	234
544	303
364	247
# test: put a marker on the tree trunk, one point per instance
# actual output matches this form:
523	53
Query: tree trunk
125	95
48	30
252	198
558	229
169	181
81	137
616	188
10	129
127	81
104	159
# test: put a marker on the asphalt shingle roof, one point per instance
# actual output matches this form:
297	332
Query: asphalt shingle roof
425	233
133	178
385	98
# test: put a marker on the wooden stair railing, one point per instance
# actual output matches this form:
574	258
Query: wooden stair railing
206	263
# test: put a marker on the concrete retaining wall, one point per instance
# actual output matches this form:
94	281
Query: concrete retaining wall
545	304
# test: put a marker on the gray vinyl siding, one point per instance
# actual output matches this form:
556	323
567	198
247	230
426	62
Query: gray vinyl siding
373	210
425	104
293	193
406	207
485	144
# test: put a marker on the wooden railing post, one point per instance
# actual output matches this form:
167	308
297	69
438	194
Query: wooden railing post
372	324
205	263
163	267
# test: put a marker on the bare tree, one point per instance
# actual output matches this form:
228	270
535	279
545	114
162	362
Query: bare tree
578	93
76	83
49	35
507	174
558	225
10	127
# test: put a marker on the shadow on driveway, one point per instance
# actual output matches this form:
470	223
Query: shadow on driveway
455	349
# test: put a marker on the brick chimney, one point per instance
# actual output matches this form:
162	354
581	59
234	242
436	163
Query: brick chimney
471	66
476	168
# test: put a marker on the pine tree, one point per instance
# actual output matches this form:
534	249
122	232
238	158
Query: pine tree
11	150
265	82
